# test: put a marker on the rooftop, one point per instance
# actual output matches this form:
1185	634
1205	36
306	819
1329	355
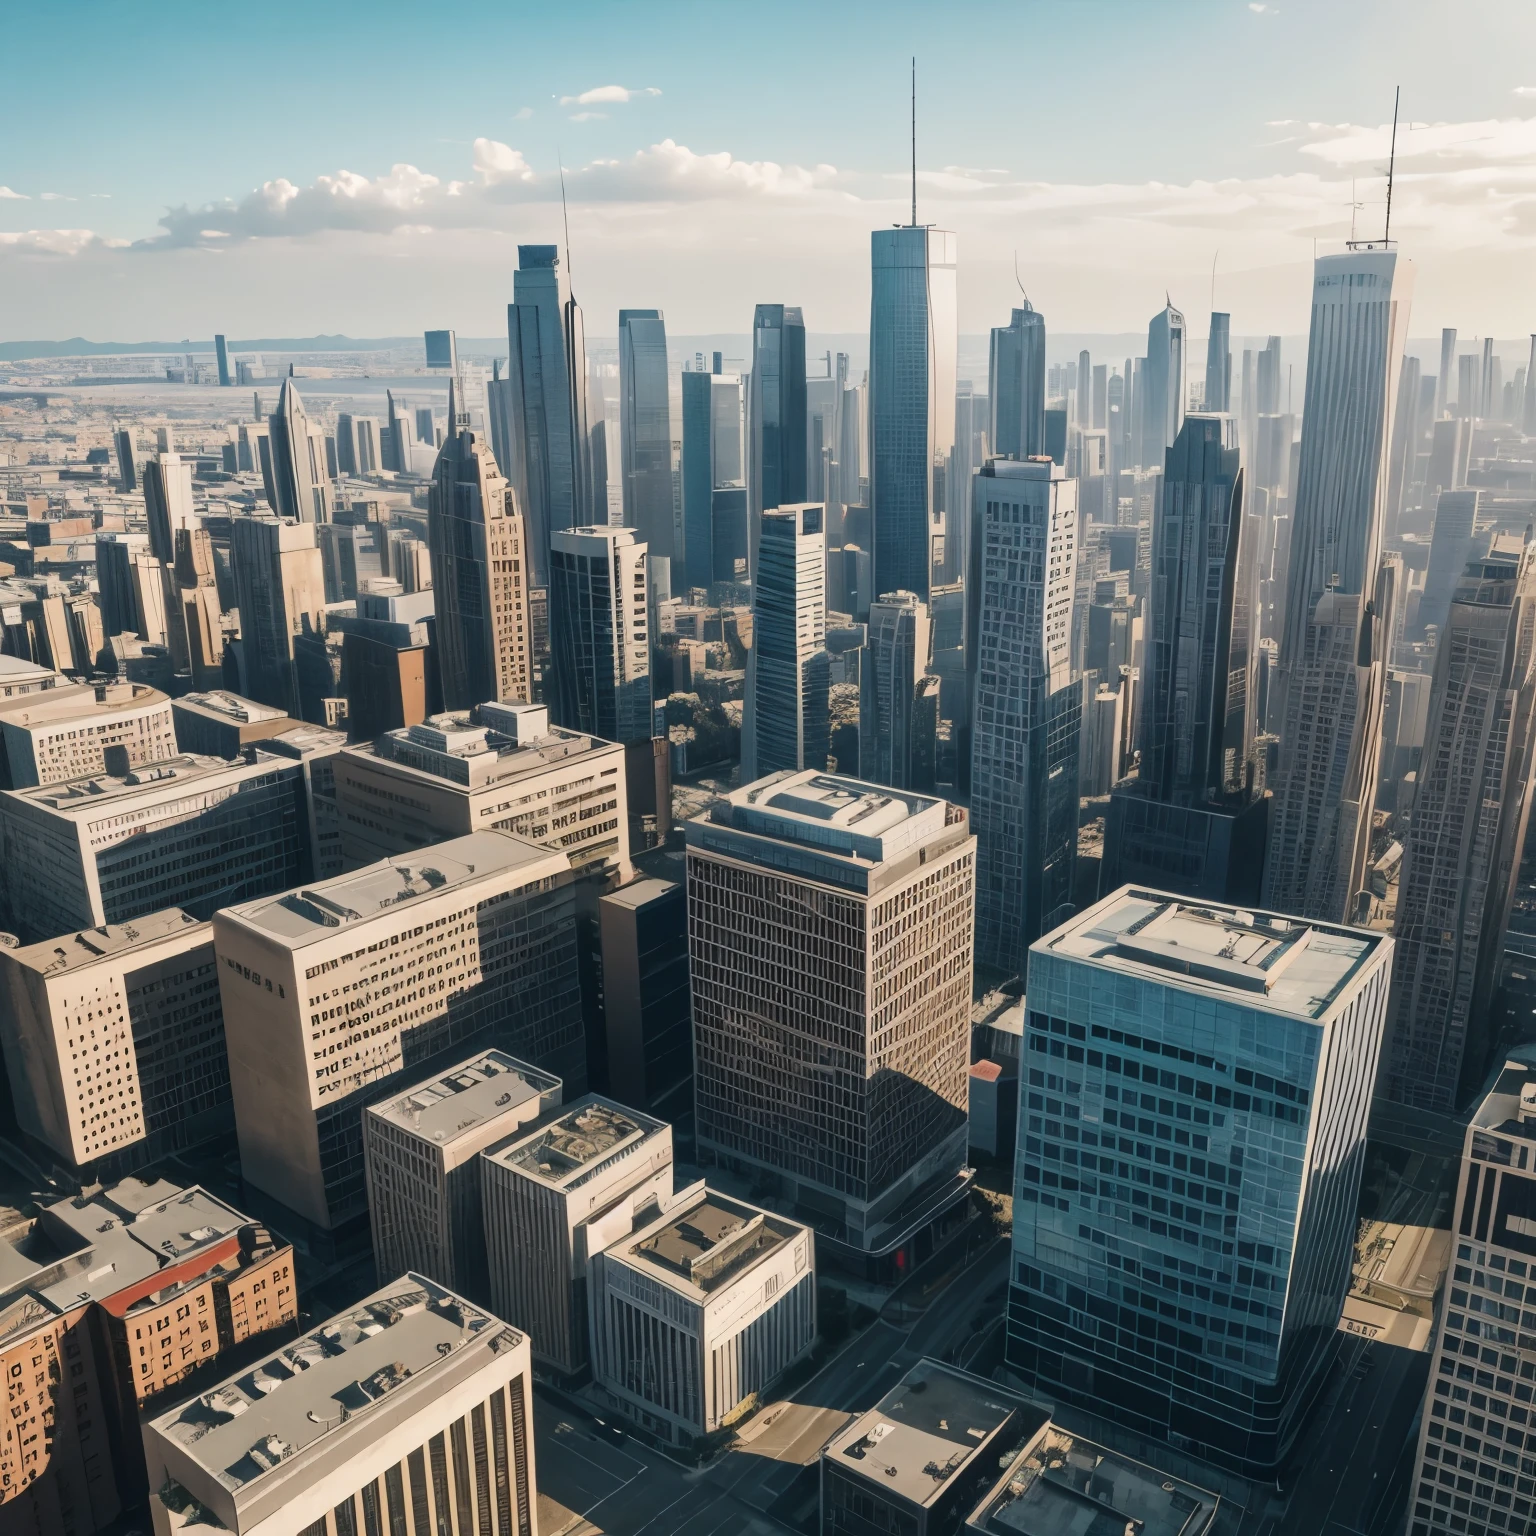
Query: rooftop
1509	1109
927	1431
231	707
705	1242
171	776
17	672
1259	959
305	740
56	706
564	1151
314	911
1063	1485
76	951
486	1087
295	1398
640	893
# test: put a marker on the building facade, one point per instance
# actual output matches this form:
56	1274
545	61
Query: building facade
280	592
776	417
645	429
898	718
69	732
1016	387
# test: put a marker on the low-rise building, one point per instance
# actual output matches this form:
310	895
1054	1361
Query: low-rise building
557	1195
412	1409
114	1039
699	1310
220	723
64	733
422	1149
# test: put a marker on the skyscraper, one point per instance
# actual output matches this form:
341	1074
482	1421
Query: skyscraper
1186	1278
480	560
1218	364
122	443
785	722
1447	367
1016	385
280	591
897	714
776	417
167	503
1461	859
1163	413
697	476
599	633
1333	646
1026	708
298	482
1188	822
221	351
646	429
913	339
546	399
1450	547
830	935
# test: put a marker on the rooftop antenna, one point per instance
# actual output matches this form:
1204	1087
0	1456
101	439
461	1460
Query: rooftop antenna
1019	280
565	217
1386	233
1355	205
1214	257
914	141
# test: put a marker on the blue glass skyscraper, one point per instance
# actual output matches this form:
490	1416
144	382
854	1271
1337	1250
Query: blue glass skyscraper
697	473
1016	385
646	429
776	416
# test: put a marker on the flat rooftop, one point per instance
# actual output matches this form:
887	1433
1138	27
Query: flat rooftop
561	1152
77	951
707	1243
481	1089
80	701
14	671
1259	959
458	749
316	911
640	893
230	708
1063	1485
1509	1108
187	770
305	740
926	1431
293	1399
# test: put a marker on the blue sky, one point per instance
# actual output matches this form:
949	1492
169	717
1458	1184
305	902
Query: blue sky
1117	146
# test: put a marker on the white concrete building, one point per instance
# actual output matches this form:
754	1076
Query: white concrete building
696	1311
331	990
64	733
422	1150
412	1407
556	1196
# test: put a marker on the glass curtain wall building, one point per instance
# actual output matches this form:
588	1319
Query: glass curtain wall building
645	431
1016	385
776	417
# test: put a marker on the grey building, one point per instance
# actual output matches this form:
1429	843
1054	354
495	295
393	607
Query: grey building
222	724
898	708
127	473
785	719
1026	709
557	1195
697	478
280	592
776	417
829	926
1450	547
1162	413
297	478
645	430
1461	856
1198	1081
1016	385
913	341
599	633
221	352
422	1149
1218	364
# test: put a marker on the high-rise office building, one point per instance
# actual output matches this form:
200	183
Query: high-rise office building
726	407
1218	364
1163	413
122	443
114	1039
167	503
699	1310
1016	386
556	1195
382	972
111	847
498	766
1189	822
1339	597
422	1149
1026	707
776	417
1191	1140
1447	368
544	404
646	429
480	559
297	478
913	342
1450	547
413	1408
599	633
1472	1472
829	930
785	719
696	475
221	352
1461	857
898	715
280	592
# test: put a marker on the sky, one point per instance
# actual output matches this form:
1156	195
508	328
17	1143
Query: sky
295	169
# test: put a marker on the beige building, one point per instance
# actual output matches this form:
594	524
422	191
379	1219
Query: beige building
422	1149
114	1038
698	1310
333	990
411	1412
20	677
553	1198
500	766
196	831
830	925
65	733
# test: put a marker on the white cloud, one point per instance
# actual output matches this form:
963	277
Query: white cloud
58	197
588	117
19	196
1524	90
1259	9
523	114
50	242
604	94
1495	141
497	162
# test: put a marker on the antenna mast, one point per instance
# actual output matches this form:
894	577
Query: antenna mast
1392	165
565	216
914	141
